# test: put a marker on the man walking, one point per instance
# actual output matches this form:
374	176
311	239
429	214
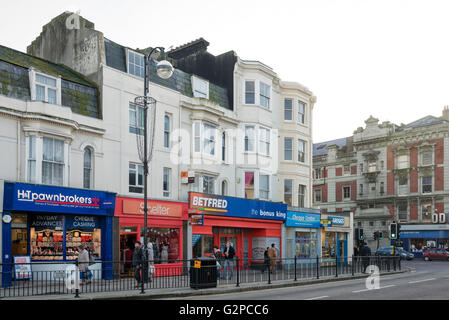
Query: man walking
272	255
138	260
365	252
229	254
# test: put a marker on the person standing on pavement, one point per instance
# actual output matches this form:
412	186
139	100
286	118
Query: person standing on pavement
218	257
138	262
272	255
83	264
365	252
150	255
229	254
266	261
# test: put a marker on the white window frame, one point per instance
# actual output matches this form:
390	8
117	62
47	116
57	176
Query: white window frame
167	132
213	141
291	191
166	182
372	166
224	188
200	87
343	192
197	143
54	162
302	195
264	140
302	115
88	168
134	128
402	161
290	150
136	170
250	92
431	158
32	159
288	110
128	55
254	183
261	191
247	137
399	212
304	144
33	83
423	185
213	183
320	192
264	95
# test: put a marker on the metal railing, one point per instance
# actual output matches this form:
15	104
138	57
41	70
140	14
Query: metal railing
47	278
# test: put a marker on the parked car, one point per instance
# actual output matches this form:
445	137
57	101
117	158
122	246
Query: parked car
435	254
388	251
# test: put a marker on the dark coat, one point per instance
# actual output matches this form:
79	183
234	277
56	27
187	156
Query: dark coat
231	253
138	256
366	251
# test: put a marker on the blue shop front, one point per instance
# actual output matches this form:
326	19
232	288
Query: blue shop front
303	234
48	224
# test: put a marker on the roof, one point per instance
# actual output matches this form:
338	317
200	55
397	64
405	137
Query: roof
320	149
423	122
24	60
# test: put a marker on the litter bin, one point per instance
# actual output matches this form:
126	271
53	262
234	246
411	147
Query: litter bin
203	273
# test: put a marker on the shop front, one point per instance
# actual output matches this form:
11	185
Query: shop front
251	226
48	225
166	223
416	238
303	235
336	236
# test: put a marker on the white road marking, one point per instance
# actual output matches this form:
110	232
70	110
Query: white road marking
317	298
363	290
421	280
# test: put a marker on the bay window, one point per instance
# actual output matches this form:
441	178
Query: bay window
250	92
249	138
288	109
265	95
264	141
301	112
301	151
288	149
264	186
249	185
53	161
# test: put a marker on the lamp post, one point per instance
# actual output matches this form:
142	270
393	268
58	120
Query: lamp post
164	70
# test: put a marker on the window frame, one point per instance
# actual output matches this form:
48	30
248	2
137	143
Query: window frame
247	138
302	195
33	74
304	144
302	115
250	92
348	189
315	193
267	190
167	132
288	150
166	182
200	87
266	134
264	94
136	170
211	181
427	185
288	193
128	69
140	119
53	162
90	168
286	110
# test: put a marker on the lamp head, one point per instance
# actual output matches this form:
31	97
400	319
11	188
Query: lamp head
164	69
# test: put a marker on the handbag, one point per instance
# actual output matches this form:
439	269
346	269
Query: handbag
151	269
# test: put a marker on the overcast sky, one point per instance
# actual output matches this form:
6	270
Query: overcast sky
389	59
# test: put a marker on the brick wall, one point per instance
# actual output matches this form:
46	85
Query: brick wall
354	170
339	190
413	211
338	172
390	183
439	178
413	181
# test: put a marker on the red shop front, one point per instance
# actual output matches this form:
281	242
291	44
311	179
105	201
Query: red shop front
165	232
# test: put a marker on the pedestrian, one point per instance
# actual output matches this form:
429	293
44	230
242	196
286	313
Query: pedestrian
138	262
218	258
150	255
83	264
229	254
266	261
272	256
365	252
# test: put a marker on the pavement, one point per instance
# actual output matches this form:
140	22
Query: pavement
180	293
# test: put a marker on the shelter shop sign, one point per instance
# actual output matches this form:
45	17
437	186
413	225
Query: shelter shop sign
155	208
236	207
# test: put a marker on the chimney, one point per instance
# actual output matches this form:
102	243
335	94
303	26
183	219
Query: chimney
446	113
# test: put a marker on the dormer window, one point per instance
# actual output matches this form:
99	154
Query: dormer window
45	88
136	64
200	88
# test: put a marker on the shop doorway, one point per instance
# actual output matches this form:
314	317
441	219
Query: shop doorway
19	240
127	241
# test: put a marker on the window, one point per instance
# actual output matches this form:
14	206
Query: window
200	88
202	245
403	180
346	169
305	244
224	188
136	119
382	188
402	161
197	136
264	186
346	192
264	95
208	184
427	184
264	141
318	173
249	139
209	139
53	161
249	185
301	196
288	149
359	224
166	244
372	166
250	92
427	158
382	165
223	146
301	112
361	189
46	89
371	224
87	181
166	131
301	151
317	195
288	191
136	64
426	212
135	178
361	168
288	109
32	159
166	183
402	211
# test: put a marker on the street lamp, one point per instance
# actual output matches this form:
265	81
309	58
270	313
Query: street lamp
164	70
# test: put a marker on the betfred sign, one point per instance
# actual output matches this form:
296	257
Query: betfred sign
155	208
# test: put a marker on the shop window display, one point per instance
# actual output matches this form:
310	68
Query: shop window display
46	244
306	244
91	238
165	244
202	245
329	247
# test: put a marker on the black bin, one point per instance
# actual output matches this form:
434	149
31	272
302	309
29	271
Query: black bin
203	273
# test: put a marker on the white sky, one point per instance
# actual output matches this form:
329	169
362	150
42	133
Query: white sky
389	59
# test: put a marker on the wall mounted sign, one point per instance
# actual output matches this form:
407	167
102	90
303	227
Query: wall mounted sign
155	208
302	220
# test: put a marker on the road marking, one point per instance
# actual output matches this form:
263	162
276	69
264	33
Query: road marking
363	290
421	280
317	298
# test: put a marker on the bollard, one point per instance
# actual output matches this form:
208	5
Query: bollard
352	265
77	290
317	267
336	266
295	268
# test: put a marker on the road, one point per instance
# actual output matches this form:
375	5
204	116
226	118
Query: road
426	280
